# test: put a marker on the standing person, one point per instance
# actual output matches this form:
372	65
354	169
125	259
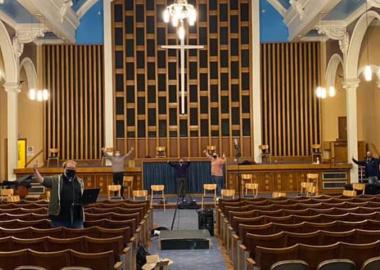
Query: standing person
237	150
117	161
66	191
181	169
217	166
371	165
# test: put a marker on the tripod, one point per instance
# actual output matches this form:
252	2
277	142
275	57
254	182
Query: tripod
181	192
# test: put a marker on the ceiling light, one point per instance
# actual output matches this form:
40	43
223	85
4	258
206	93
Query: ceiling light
332	91
368	73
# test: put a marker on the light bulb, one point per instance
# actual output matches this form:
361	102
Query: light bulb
32	94
39	96
332	91
178	10
368	73
323	93
174	22
191	22
318	92
166	16
45	94
192	15
181	33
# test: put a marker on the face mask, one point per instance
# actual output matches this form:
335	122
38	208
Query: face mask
70	174
215	156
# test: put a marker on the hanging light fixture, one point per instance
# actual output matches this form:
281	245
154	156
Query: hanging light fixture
321	92
177	13
367	69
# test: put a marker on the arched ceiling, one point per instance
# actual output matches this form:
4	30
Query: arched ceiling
281	20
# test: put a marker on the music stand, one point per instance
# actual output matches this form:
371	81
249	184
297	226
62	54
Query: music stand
89	196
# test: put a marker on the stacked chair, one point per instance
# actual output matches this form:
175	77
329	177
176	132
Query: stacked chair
324	232
113	230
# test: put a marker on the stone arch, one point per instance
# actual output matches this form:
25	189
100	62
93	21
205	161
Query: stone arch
332	68
352	61
30	72
10	62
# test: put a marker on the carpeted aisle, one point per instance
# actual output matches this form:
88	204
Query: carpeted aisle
211	259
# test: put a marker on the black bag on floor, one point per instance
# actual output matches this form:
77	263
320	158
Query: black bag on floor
141	257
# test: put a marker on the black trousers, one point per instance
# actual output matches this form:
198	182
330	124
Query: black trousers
181	187
118	180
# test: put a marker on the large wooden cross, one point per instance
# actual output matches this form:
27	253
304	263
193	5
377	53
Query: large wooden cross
182	47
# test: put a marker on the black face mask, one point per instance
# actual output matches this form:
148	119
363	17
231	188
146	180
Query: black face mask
70	174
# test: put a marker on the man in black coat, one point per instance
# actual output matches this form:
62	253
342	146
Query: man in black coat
371	165
181	169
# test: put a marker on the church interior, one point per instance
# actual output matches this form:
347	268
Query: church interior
189	134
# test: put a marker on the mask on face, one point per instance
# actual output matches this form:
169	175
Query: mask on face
70	173
215	156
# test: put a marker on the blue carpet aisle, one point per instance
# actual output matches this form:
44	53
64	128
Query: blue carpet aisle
211	259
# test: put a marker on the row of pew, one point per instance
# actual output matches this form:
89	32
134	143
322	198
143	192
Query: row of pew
113	230
256	232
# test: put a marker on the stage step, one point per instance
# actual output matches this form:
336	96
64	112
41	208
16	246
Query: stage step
184	239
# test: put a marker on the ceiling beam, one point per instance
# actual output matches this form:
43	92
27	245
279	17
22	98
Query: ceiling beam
86	6
298	24
278	6
49	12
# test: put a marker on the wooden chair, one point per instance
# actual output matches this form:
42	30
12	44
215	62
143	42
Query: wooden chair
114	189
101	260
279	194
30	267
210	149
311	190
76	268
244	179
371	264
209	191
251	186
304	188
109	151
341	264
5	193
265	155
228	193
359	188
161	151
316	153
313	178
162	265
158	188
349	193
290	265
128	185
53	155
140	194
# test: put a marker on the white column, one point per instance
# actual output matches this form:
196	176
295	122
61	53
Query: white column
352	125
108	76
256	82
12	90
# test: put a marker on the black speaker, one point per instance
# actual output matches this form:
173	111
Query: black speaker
206	220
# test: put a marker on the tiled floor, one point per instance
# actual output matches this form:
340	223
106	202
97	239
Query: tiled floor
211	259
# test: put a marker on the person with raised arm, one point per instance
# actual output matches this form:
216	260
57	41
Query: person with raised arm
65	208
217	169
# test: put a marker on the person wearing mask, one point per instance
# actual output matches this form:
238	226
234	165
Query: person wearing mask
371	165
181	169
118	161
65	208
217	168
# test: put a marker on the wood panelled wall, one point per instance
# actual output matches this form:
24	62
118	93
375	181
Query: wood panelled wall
290	109
74	113
218	79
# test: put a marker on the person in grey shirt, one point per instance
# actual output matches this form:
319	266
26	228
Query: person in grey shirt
118	161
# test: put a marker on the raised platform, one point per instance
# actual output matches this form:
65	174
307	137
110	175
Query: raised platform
184	239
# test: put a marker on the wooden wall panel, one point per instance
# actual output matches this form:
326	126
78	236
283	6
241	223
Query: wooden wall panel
74	113
290	109
218	78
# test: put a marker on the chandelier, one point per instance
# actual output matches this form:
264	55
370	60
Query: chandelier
177	13
38	95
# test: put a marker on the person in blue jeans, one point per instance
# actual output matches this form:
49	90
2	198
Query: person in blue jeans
65	208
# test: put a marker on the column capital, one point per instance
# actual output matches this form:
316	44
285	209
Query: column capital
351	83
12	87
